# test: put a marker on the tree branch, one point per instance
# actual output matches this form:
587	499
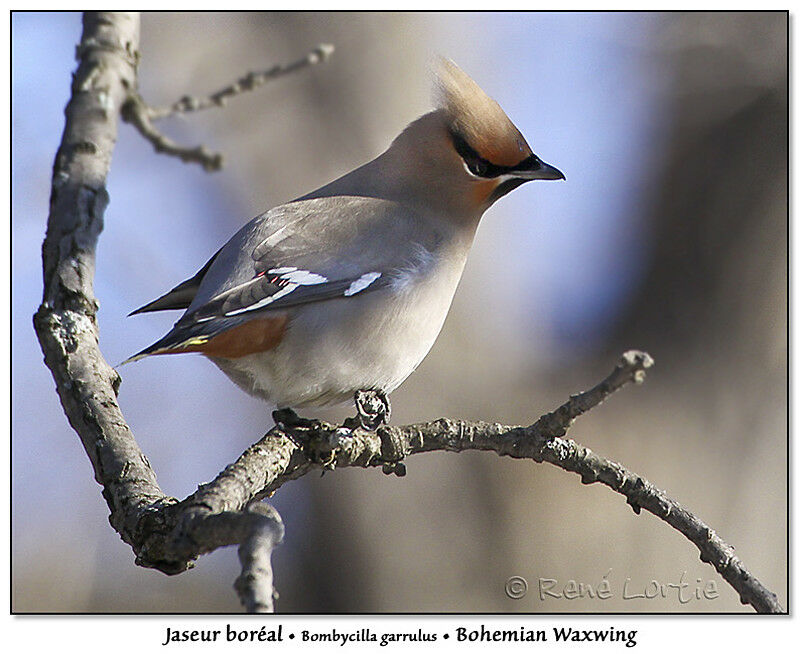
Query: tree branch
66	322
136	112
169	535
254	585
139	114
288	452
249	82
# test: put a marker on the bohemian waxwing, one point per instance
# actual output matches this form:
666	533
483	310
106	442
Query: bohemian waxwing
345	289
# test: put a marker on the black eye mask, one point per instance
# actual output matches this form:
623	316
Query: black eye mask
481	167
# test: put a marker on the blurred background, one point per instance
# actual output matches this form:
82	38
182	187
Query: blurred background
670	235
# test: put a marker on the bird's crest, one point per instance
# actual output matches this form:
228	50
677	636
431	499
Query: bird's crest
477	118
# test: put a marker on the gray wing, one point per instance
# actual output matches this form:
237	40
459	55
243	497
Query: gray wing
309	251
302	252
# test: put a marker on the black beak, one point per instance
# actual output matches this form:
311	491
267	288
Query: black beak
535	168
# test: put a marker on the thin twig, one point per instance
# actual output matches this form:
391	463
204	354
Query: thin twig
139	114
249	82
631	368
136	112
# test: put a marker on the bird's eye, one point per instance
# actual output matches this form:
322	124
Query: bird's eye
476	164
478	167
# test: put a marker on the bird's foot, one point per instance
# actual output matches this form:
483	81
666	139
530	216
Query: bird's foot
308	434
288	418
373	409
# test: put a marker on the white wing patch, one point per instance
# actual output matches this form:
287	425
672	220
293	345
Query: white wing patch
267	300
292	277
361	283
295	276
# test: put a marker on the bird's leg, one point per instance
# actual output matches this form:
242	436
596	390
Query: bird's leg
373	409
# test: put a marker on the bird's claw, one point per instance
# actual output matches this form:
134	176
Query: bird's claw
308	434
289	418
373	409
295	426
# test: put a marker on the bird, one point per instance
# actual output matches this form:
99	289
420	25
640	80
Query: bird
342	292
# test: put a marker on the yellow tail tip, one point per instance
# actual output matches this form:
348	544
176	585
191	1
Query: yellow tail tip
135	357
